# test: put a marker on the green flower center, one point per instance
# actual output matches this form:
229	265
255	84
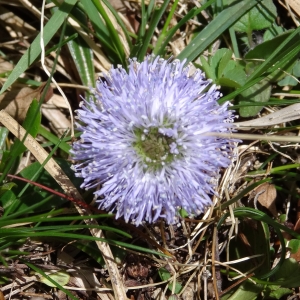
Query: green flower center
153	147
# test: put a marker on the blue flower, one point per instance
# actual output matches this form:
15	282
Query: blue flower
143	142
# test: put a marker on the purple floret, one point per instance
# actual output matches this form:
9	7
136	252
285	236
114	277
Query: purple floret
143	141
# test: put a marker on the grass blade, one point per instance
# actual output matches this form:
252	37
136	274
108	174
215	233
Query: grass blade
157	15
34	50
214	29
115	40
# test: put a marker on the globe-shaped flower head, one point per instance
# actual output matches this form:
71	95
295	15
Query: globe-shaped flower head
144	141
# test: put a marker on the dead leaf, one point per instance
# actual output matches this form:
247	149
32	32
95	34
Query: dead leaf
295	5
266	194
58	101
58	121
5	66
287	114
118	5
188	293
17	101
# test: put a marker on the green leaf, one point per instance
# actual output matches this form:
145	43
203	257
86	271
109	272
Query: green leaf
223	62
229	72
247	212
294	245
225	81
7	199
274	54
259	92
296	69
258	237
288	80
3	135
183	213
31	124
34	50
259	17
280	58
60	277
235	77
165	275
92	251
214	61
276	292
288	275
81	53
246	291
222	70
39	271
6	187
265	49
209	72
10	160
285	65
272	32
54	139
83	59
215	28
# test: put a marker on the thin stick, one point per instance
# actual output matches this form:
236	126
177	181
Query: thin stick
251	137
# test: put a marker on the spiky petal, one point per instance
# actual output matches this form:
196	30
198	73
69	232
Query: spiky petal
143	141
